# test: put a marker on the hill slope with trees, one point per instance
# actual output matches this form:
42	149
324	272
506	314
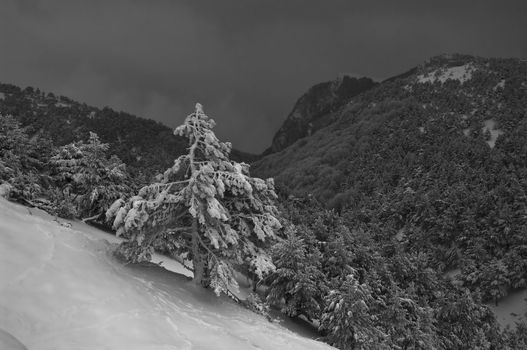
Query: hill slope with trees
145	146
435	160
315	108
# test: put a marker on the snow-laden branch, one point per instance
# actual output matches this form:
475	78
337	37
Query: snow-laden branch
232	214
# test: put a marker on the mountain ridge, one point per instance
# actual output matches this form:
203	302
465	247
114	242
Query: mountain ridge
147	147
313	109
415	82
435	161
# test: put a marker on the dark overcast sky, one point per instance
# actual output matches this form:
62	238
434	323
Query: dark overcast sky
246	61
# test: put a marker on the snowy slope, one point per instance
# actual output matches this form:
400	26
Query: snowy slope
511	309
461	73
60	288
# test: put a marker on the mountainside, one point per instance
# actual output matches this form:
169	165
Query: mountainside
426	173
435	159
472	100
314	109
146	146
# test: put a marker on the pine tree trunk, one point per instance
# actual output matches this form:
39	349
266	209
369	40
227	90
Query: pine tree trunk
200	272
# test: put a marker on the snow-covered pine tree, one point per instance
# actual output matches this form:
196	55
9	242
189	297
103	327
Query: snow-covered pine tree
216	213
22	160
87	178
348	320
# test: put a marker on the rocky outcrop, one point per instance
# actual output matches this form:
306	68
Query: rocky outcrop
311	112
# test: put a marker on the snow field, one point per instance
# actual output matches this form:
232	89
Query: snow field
61	288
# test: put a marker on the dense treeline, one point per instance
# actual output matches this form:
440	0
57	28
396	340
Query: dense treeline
437	165
145	146
368	292
77	180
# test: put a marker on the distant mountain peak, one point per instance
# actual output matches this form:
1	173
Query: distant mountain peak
313	109
475	102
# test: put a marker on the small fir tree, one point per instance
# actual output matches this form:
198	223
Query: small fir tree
89	181
298	283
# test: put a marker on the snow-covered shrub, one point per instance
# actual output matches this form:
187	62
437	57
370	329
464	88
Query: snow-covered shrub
66	209
5	190
256	304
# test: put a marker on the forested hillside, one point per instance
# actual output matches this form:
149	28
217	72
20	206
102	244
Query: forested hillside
387	227
145	146
435	160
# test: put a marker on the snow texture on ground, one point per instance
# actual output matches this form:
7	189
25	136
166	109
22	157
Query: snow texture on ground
511	309
60	288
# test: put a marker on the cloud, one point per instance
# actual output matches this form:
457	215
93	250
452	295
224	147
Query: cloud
246	61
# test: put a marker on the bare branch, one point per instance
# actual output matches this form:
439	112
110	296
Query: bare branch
90	218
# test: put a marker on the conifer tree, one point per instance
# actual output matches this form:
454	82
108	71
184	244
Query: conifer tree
208	205
13	145
348	320
298	283
87	178
21	160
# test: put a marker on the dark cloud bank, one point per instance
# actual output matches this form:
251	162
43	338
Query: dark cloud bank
247	61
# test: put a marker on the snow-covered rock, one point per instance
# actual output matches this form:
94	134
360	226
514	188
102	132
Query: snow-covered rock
5	190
